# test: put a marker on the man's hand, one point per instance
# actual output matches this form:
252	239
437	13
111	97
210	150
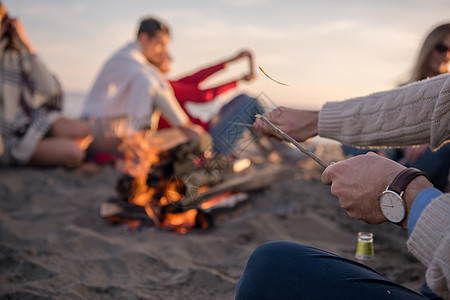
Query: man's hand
358	183
299	124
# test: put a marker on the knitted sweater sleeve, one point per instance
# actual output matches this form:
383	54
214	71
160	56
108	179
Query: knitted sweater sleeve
415	114
430	243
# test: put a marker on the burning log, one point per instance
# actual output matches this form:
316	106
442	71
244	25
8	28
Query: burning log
120	212
179	187
158	178
154	204
124	186
171	217
244	183
150	188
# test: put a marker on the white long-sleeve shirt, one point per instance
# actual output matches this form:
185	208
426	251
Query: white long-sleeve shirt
129	86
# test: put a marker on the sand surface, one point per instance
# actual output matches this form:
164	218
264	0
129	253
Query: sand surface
54	245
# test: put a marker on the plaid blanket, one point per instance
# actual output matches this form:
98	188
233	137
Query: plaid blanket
30	101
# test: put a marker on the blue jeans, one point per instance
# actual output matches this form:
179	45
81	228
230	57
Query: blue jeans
285	270
224	132
436	164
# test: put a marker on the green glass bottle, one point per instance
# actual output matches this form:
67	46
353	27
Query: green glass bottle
364	249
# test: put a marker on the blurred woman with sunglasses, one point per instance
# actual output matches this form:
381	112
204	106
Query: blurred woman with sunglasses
33	130
434	56
433	60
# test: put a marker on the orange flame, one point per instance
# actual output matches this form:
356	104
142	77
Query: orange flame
139	156
180	222
214	200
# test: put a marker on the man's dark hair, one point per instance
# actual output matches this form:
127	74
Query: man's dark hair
151	26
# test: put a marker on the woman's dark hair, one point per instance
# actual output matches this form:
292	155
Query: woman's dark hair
435	37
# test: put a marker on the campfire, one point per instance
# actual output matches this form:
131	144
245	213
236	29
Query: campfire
174	186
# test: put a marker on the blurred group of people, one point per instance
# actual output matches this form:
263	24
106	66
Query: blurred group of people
132	86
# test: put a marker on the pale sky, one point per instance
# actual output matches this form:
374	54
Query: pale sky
324	50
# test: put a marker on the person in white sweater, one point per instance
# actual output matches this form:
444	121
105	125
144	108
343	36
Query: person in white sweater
130	91
415	114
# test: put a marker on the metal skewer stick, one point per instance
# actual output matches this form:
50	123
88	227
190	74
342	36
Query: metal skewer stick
241	124
290	139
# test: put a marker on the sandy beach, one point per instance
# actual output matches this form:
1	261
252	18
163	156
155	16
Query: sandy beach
54	245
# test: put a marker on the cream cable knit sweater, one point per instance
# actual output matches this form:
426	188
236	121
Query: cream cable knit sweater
410	115
430	243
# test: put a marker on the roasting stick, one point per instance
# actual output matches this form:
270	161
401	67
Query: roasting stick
241	124
290	139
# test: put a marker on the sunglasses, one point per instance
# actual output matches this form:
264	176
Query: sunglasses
441	48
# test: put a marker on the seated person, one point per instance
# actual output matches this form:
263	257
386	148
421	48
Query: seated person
130	88
187	89
33	130
284	270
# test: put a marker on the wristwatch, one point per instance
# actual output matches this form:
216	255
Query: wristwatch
392	204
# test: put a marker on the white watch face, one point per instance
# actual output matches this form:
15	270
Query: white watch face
392	206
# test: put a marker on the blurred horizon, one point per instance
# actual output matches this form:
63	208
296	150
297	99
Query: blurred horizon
324	51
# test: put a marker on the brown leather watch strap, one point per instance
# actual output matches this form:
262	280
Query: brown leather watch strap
403	178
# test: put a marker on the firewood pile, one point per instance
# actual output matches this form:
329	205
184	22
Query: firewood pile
185	185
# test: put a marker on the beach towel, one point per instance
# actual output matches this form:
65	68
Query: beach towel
30	101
